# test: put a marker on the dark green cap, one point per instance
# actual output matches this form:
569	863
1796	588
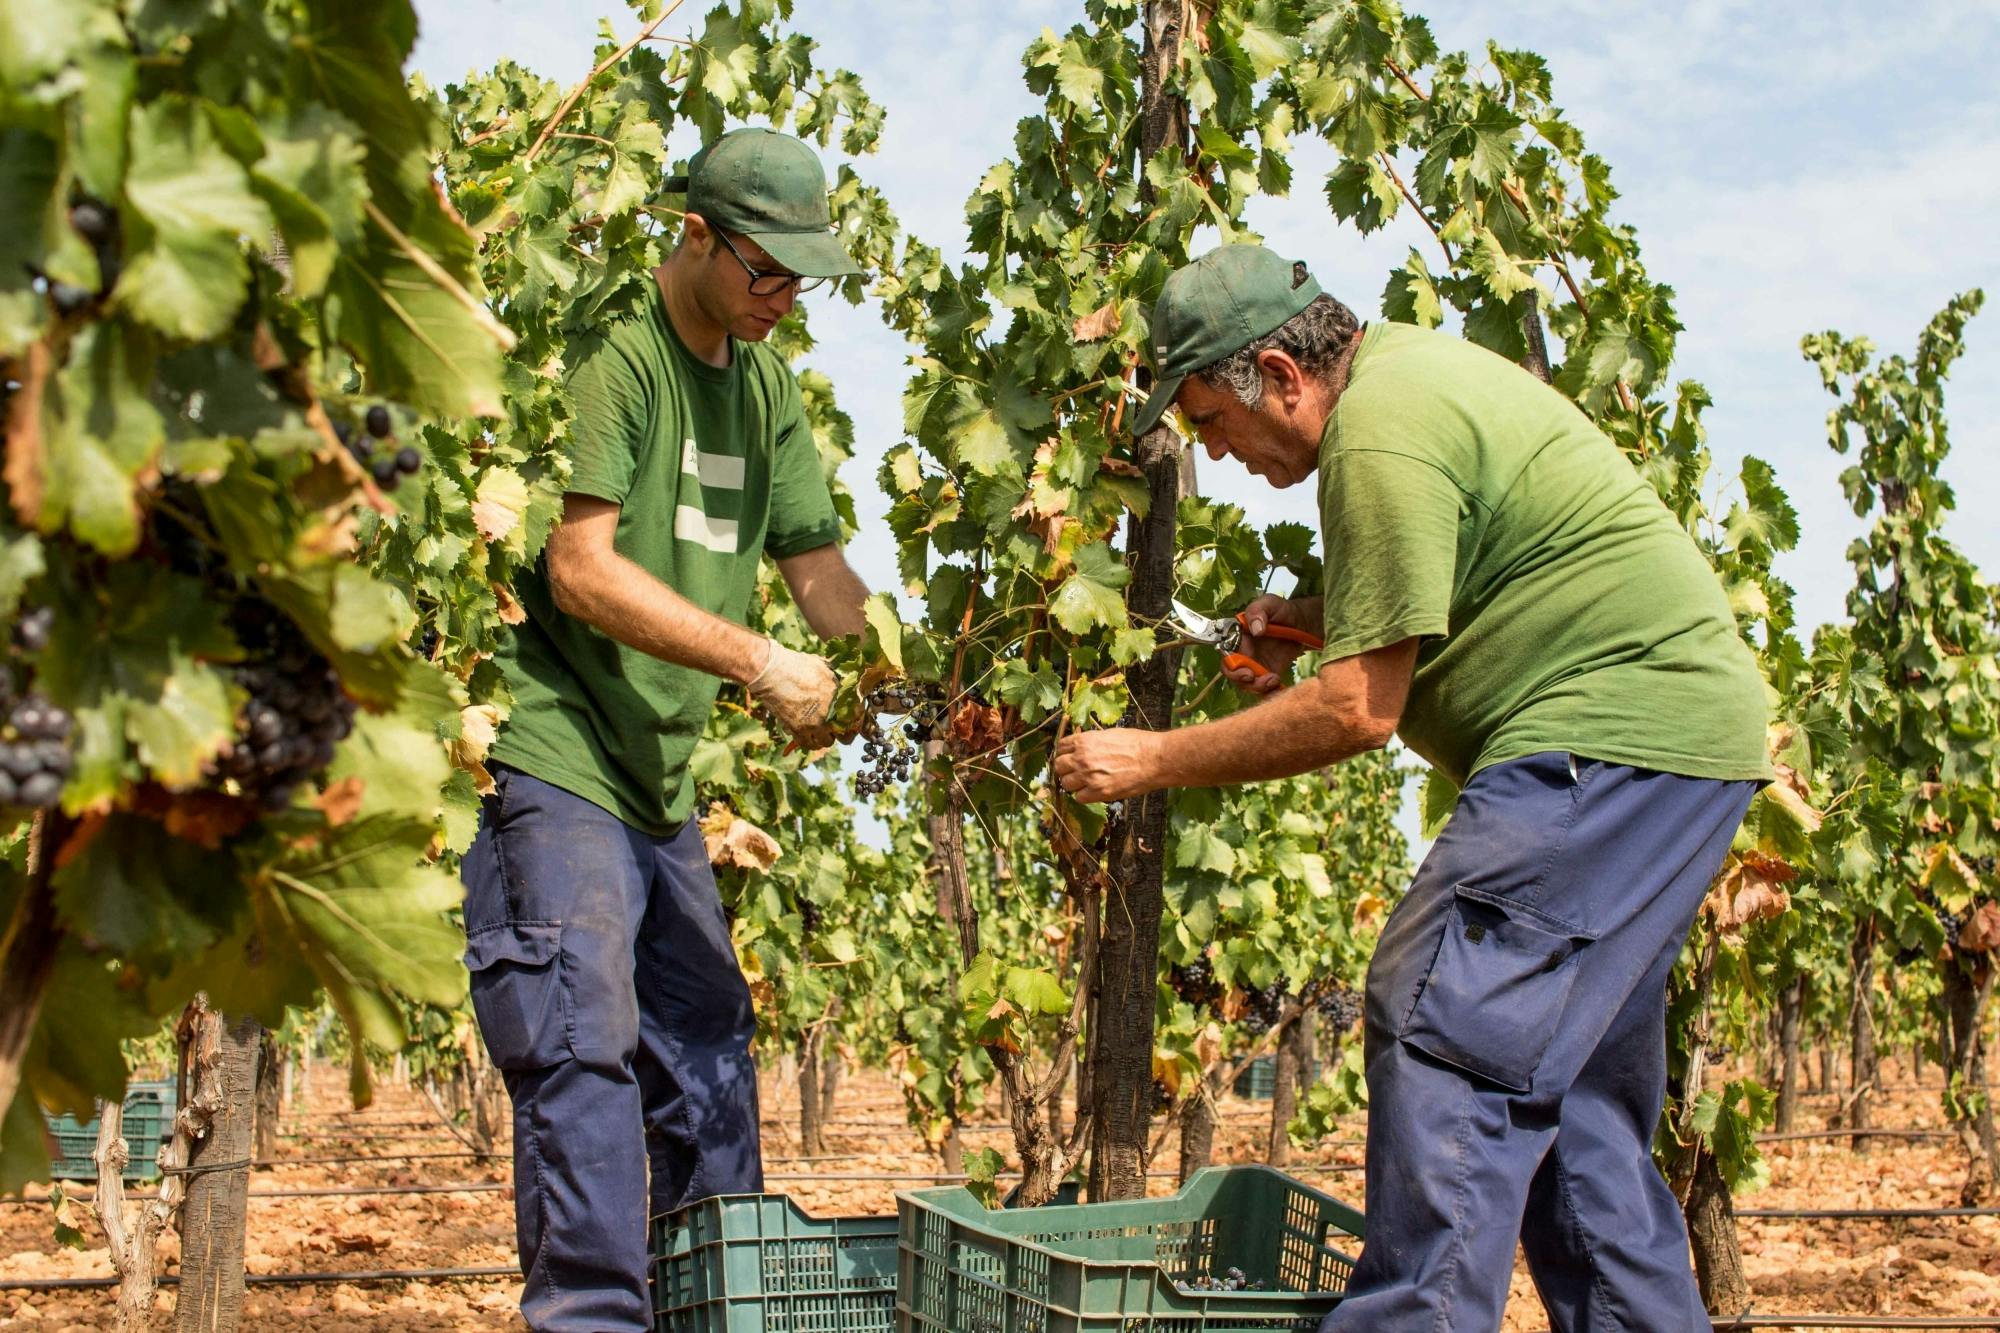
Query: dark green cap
1214	307
771	188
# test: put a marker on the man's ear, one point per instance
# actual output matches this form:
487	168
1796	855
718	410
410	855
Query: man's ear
1283	376
696	232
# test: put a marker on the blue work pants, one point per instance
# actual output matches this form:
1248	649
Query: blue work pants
1516	1053
610	998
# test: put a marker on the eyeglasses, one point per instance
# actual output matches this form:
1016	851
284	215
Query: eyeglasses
769	282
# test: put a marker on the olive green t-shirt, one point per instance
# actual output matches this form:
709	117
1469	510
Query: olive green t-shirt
1560	604
712	468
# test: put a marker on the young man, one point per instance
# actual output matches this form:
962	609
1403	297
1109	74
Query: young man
602	970
1506	593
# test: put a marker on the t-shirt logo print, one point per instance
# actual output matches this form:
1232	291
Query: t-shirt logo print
692	523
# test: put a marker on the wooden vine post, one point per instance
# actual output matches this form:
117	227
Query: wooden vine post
1127	980
219	1071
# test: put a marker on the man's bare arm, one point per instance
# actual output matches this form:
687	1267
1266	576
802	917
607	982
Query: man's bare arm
827	589
591	581
1351	706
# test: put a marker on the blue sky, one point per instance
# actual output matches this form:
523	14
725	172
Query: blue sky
1789	168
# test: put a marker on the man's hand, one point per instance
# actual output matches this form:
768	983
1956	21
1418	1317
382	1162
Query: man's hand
1275	655
1109	765
798	688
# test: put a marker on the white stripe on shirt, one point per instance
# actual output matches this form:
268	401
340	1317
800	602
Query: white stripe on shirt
722	471
717	534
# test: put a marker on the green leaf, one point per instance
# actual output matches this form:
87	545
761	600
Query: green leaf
310	176
188	274
883	640
100	433
1035	991
144	893
1438	800
133	671
368	915
1200	847
399	756
21	562
1089	598
1412	295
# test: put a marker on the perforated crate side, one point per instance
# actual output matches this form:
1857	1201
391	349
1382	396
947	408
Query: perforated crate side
1115	1267
752	1263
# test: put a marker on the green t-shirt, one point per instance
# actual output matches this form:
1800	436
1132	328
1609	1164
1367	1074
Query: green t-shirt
712	468
1560	604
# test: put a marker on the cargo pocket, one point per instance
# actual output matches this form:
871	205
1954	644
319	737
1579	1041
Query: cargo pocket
1496	989
518	992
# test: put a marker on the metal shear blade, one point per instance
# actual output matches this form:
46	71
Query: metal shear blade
1224	634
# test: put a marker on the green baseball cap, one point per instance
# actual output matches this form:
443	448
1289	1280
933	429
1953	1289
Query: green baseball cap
770	188
1216	306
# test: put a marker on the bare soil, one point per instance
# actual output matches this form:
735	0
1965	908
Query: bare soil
1922	1268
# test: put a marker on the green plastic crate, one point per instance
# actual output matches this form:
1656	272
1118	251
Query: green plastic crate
149	1122
1114	1267
758	1263
1259	1080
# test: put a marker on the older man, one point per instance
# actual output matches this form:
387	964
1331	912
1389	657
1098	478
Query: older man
1506	594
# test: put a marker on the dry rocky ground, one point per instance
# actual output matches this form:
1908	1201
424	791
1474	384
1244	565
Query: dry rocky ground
1920	1268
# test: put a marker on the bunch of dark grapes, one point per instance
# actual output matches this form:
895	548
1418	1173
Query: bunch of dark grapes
1264	1006
1951	923
889	755
35	758
1338	1004
392	466
296	715
1195	982
1163	1098
1231	1279
808	916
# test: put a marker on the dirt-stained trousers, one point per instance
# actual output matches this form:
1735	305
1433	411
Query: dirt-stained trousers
1516	1053
609	996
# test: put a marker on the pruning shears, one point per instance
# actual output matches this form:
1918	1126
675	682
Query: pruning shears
1227	635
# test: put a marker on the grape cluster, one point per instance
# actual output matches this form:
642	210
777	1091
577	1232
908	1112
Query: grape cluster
35	758
1231	1279
98	225
296	715
1338	1004
1264	1006
1194	981
890	755
1163	1097
389	468
808	916
1951	923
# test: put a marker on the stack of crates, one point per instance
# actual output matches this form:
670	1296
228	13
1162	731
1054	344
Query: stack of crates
1259	1080
149	1123
1238	1249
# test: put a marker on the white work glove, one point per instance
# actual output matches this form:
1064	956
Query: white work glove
798	688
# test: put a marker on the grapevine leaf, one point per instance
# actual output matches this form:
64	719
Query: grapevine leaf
1439	799
883	640
310	177
100	434
188	275
367	913
144	893
1089	598
398	755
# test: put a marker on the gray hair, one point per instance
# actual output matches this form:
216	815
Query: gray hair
1315	338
